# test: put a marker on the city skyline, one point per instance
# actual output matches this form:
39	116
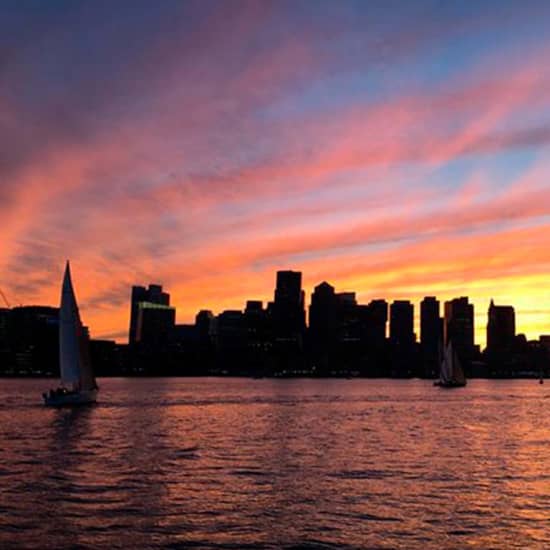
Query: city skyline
340	337
156	296
397	153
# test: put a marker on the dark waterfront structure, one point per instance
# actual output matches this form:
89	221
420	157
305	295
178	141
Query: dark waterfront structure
322	320
33	338
107	357
374	343
154	324
507	354
5	356
402	323
203	324
345	336
288	310
376	322
431	336
402	339
230	331
140	294
258	331
501	328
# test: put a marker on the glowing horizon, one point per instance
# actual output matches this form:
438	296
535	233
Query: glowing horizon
397	151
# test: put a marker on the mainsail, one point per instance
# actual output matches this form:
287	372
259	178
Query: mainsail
458	371
74	356
451	372
446	369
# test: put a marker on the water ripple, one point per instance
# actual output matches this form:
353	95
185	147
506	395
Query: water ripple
312	464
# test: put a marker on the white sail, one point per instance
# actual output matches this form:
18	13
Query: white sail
451	371
458	371
446	369
75	367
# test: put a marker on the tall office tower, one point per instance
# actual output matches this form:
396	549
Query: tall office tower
431	334
231	331
257	325
347	318
152	295
377	319
459	326
501	328
154	324
288	307
203	324
402	323
322	317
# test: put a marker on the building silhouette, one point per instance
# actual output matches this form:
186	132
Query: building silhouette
402	323
289	321
376	320
203	323
322	318
155	323
431	335
501	328
258	330
4	319
348	321
402	339
459	329
33	338
152	295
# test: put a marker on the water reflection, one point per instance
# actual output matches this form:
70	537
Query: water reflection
237	463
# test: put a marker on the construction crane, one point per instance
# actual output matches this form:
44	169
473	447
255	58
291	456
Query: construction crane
5	299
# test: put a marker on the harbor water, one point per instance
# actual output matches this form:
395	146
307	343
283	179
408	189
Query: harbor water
295	463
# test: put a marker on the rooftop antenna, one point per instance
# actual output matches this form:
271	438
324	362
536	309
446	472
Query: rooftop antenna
5	299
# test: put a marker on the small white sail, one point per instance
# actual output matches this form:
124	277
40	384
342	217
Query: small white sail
451	372
446	369
69	342
75	367
458	371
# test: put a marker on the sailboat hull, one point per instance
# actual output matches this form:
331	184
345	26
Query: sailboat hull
70	399
449	384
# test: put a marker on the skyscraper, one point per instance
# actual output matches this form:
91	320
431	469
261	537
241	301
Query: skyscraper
322	317
154	324
348	318
459	327
203	324
402	323
501	328
375	324
288	307
431	335
151	295
402	339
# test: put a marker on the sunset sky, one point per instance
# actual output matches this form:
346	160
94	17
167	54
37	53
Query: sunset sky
395	148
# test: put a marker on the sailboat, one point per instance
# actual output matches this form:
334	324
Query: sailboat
451	374
78	385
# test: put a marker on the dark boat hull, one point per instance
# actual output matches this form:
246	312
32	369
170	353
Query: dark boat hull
70	399
449	385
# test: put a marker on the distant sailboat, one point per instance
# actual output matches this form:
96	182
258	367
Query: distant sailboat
451	373
78	385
